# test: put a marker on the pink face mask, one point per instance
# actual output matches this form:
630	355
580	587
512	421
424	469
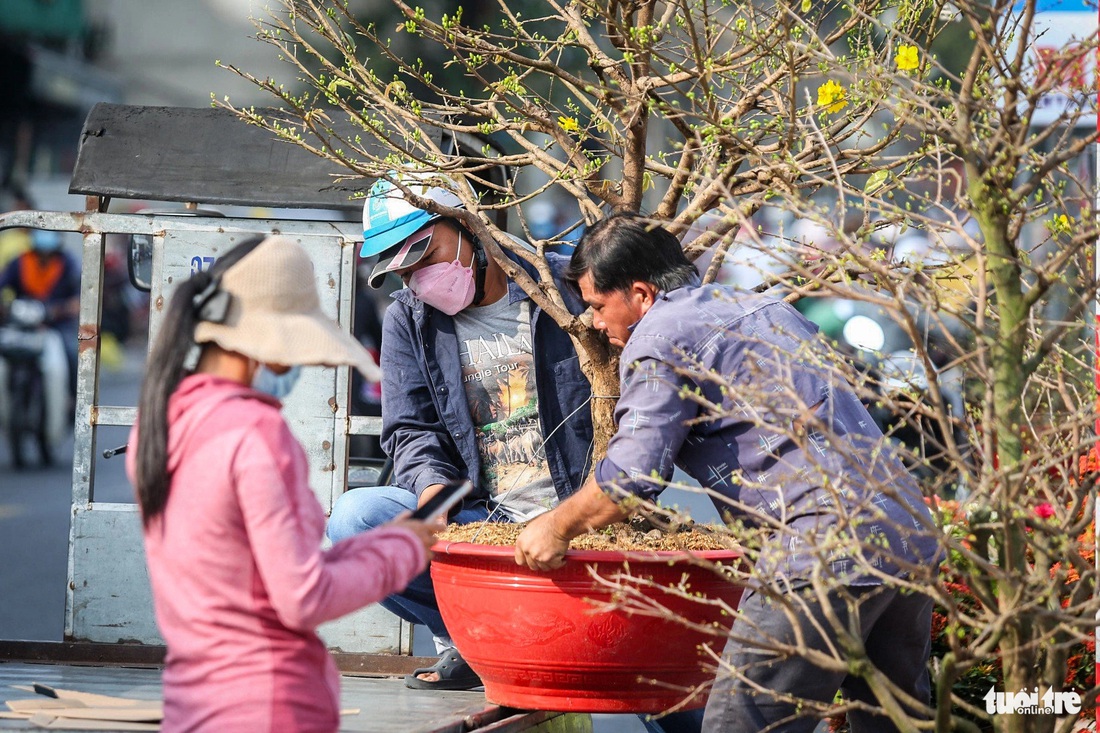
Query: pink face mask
445	286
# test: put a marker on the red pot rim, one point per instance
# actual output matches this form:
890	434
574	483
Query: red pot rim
473	549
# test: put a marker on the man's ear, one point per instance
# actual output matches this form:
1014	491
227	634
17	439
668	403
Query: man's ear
643	294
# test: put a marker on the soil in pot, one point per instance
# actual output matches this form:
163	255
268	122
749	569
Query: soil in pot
625	536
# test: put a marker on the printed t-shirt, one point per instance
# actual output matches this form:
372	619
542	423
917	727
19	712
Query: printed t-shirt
499	378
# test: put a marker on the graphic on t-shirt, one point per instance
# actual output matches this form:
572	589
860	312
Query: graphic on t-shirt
498	376
504	407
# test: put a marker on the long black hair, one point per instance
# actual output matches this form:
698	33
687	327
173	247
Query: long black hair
165	369
626	248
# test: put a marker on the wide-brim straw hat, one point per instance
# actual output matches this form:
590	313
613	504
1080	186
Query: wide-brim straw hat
275	315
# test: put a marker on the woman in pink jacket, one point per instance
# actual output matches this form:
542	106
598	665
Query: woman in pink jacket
232	530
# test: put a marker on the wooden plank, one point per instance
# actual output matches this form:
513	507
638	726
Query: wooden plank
516	721
202	155
379	665
130	655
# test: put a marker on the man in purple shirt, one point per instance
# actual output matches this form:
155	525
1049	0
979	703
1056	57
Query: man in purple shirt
735	389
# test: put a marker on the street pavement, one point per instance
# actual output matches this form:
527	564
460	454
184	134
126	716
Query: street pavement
34	516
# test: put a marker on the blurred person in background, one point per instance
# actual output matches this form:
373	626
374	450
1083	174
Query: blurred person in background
14	242
50	275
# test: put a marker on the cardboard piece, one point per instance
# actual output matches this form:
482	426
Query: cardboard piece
149	714
34	705
57	709
88	699
52	722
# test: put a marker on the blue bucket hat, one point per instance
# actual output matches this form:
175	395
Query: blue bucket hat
389	220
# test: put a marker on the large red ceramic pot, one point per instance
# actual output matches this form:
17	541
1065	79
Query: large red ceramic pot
540	643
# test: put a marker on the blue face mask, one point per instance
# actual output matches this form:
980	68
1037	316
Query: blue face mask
276	385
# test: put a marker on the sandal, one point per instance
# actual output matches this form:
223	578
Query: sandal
454	674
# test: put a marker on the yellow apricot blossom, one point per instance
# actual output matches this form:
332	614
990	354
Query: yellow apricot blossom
569	124
832	96
907	58
1059	224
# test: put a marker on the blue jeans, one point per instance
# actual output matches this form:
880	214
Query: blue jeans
361	509
896	632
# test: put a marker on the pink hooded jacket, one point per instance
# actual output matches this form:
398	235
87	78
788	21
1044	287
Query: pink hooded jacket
239	579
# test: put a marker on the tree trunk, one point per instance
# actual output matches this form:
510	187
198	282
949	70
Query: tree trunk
605	394
600	363
1008	345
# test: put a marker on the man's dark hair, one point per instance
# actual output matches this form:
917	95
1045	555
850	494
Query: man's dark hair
626	248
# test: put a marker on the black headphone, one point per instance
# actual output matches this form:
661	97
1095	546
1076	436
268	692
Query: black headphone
482	261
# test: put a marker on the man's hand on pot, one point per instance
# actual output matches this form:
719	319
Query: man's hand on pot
540	546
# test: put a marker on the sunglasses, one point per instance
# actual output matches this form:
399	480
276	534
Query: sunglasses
415	240
419	237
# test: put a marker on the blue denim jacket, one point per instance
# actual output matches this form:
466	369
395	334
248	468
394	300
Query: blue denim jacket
426	423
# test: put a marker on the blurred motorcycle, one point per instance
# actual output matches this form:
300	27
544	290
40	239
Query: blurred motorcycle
895	382
35	378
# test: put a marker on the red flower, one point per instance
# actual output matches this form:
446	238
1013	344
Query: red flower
1043	511
1090	462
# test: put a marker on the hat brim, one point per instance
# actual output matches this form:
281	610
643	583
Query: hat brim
381	238
298	339
405	253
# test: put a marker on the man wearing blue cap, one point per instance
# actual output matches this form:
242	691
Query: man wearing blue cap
478	382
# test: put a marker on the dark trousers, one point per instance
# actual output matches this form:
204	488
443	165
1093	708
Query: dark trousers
896	633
